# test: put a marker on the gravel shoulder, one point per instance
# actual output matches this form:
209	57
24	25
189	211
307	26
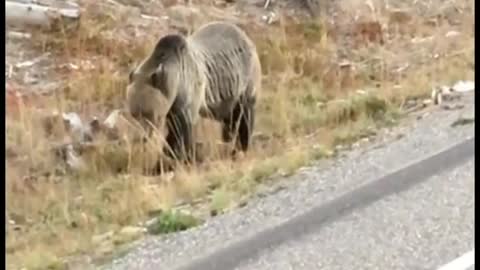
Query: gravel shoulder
421	135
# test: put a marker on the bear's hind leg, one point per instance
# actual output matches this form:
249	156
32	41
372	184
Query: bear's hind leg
241	124
245	126
180	136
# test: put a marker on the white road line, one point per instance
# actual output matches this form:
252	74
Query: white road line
461	263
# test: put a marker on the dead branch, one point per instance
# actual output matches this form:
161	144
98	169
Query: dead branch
20	14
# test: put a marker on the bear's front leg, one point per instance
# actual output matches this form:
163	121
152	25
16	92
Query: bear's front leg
180	136
240	125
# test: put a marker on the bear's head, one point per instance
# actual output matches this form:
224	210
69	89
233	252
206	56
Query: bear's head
153	84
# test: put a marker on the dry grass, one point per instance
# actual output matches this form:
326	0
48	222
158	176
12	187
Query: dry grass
308	99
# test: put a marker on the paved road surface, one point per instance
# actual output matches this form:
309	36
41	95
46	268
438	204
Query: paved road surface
437	210
425	227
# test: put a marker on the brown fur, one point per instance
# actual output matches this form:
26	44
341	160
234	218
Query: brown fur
213	73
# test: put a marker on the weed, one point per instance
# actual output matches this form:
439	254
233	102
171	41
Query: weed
173	221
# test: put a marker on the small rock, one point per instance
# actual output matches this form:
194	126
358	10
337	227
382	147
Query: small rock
345	64
421	40
365	140
463	121
427	102
98	239
129	233
452	96
151	222
84	219
242	203
132	231
270	18
452	34
410	104
451	107
18	35
321	105
436	96
112	119
74	161
361	92
75	125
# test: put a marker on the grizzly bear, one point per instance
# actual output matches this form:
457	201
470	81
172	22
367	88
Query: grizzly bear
214	73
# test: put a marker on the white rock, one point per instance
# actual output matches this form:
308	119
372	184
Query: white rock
112	119
361	92
463	86
75	124
74	161
452	34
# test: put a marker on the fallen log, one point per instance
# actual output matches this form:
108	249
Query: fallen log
21	14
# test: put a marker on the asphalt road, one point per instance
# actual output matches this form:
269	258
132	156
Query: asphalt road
424	227
396	231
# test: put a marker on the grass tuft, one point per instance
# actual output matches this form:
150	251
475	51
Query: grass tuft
173	221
